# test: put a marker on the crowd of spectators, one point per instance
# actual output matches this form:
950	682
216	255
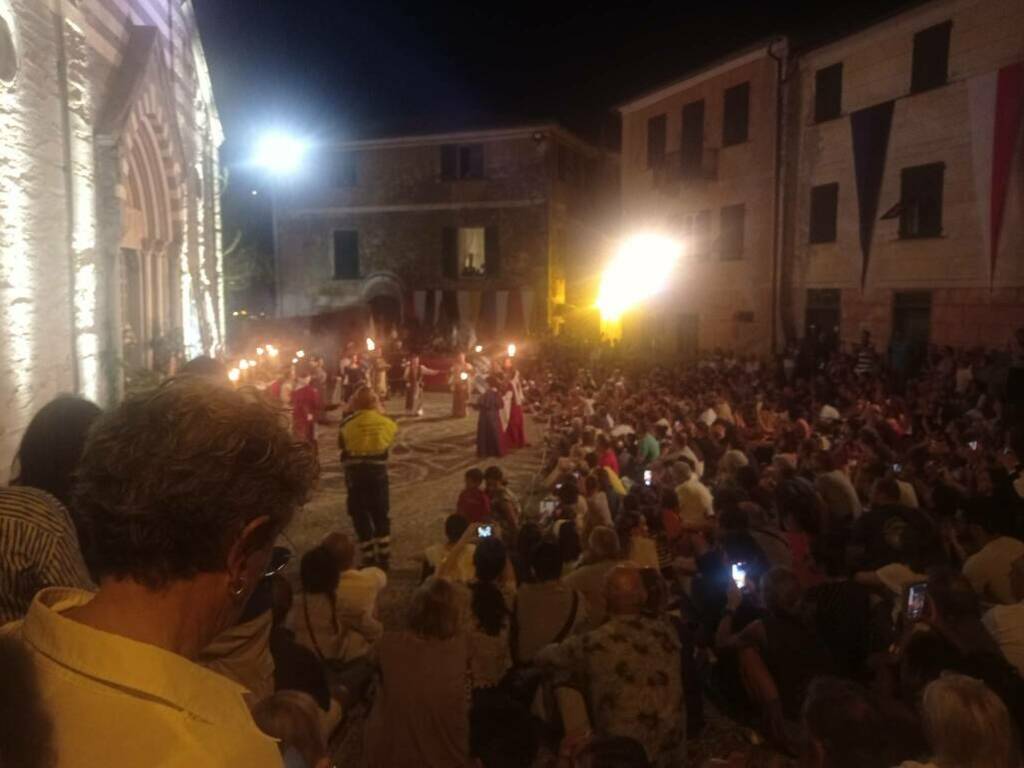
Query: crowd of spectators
825	550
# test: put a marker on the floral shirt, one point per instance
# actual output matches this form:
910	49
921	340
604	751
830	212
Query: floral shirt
631	670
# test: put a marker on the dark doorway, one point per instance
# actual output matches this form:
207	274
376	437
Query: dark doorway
386	312
823	312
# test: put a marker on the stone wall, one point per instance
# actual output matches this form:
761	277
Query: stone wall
63	191
969	305
713	289
400	205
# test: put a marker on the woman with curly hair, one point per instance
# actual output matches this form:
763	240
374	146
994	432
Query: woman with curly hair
181	491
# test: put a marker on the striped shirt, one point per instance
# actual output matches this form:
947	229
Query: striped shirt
38	548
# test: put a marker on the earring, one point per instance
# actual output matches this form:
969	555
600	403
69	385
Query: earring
238	588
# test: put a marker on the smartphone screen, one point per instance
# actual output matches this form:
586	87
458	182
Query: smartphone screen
484	531
915	600
647	477
739	575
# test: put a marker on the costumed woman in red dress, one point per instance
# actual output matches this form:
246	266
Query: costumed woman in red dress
490	440
515	433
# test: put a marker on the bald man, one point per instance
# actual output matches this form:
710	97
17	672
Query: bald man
632	667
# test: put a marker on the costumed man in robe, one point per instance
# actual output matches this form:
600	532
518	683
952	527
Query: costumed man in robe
379	374
364	438
415	372
489	436
458	379
515	432
306	404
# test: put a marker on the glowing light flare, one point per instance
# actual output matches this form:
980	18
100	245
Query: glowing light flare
243	365
234	375
641	269
478	348
272	351
300	354
511	350
280	154
464	376
260	351
370	345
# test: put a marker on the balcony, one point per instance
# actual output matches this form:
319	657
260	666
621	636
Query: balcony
686	171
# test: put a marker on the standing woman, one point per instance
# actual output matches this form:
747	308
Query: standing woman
516	432
489	437
414	375
459	381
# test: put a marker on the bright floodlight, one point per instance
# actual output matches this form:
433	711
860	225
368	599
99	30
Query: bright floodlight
640	269
280	154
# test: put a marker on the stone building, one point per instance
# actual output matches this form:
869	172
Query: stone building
109	222
906	179
700	161
880	188
481	229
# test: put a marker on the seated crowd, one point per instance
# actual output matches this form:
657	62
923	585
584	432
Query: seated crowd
827	553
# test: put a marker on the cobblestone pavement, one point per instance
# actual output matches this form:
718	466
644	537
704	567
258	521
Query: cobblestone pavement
430	455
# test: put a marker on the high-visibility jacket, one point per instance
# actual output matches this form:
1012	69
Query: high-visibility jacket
366	436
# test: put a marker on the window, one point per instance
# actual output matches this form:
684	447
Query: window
921	200
931	57
730	237
824	205
696	231
346	254
736	116
691	143
462	161
470	252
828	93
346	170
656	141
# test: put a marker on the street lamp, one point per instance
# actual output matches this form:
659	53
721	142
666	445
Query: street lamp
280	154
642	267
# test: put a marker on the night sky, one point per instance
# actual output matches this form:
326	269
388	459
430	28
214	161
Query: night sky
331	68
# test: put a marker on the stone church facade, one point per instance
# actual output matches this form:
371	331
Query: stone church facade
110	248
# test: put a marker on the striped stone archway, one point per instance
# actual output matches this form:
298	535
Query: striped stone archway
139	138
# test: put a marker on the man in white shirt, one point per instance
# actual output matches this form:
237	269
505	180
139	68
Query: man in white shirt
695	501
988	569
358	590
1005	623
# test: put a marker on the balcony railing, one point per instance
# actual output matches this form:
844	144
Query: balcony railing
679	170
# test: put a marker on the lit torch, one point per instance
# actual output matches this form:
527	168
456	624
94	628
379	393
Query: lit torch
370	345
234	375
464	376
511	350
478	348
244	365
300	354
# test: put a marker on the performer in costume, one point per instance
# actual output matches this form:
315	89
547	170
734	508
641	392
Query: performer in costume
306	404
415	372
364	438
489	436
379	374
458	379
515	433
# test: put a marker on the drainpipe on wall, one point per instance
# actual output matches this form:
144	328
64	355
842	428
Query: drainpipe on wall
69	188
780	80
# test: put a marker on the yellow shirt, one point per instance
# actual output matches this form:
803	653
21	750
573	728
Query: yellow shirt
118	702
